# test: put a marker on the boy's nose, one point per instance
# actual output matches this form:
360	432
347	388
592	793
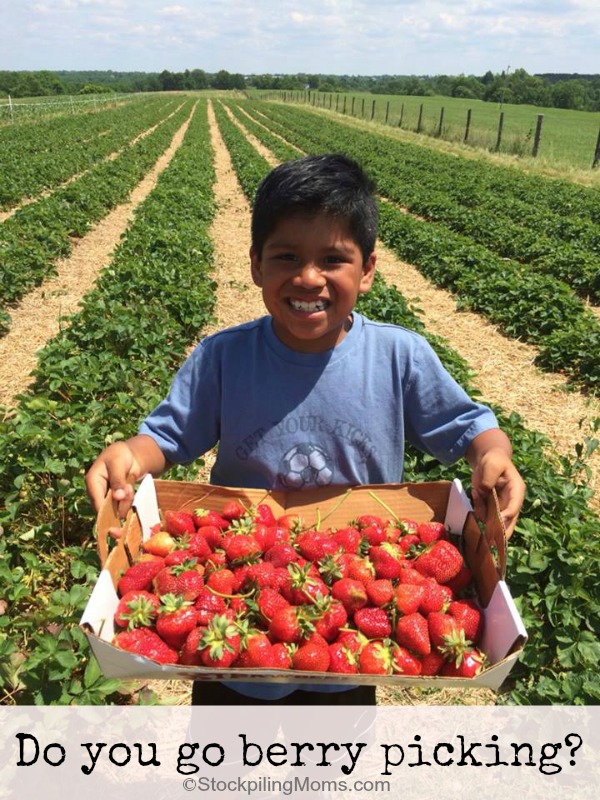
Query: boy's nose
310	274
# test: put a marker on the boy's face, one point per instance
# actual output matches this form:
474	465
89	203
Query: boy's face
311	272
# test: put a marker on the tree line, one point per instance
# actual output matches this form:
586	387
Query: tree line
570	91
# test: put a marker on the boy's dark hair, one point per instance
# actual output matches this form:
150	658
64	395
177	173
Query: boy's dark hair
325	184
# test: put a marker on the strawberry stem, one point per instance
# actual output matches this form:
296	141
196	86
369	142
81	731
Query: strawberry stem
385	505
335	507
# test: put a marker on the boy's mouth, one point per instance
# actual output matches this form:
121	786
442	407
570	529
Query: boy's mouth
308	306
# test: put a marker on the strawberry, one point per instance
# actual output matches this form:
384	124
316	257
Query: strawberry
410	575
432	663
159	544
315	545
335	566
241	548
264	515
461	581
365	520
387	560
342	659
262	574
208	604
136	608
375	658
442	628
290	625
412	632
280	656
233	509
467	665
199	547
176	618
348	539
185	579
212	534
469	617
408	596
257	650
331	617
221	581
373	622
374	534
178	523
265	536
312	655
351	593
429	532
269	602
409	543
147	643
304	584
290	521
139	576
281	554
203	517
442	561
407	526
190	654
361	569
403	662
380	591
220	643
435	597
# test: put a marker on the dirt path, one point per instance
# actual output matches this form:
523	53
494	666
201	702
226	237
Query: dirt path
38	316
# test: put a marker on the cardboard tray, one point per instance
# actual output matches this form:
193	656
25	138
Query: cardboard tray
444	501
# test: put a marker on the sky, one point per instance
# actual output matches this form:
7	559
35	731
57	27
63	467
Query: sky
341	37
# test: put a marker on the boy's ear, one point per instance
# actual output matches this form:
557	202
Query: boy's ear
255	267
368	274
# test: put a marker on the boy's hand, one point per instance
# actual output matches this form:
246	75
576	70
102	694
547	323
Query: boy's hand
490	456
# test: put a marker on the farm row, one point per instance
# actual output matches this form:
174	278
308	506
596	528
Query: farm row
528	300
34	238
101	375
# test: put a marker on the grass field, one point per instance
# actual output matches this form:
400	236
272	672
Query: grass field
568	137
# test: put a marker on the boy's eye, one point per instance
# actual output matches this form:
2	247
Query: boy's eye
285	257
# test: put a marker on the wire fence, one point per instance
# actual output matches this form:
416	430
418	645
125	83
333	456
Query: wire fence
14	110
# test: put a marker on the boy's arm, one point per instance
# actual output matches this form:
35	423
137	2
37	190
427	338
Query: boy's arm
133	458
490	456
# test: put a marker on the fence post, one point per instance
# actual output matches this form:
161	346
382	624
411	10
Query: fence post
362	108
500	126
538	135
597	153
387	112
420	118
353	106
401	115
373	110
441	125
468	125
344	108
337	100
10	109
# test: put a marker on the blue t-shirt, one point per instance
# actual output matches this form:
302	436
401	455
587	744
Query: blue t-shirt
286	419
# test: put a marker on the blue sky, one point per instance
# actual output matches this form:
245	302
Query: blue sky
354	37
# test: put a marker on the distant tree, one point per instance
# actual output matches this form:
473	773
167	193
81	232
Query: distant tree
569	94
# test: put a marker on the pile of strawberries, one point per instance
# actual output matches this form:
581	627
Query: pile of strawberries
241	588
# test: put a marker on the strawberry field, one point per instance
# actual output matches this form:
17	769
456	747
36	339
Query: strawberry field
519	250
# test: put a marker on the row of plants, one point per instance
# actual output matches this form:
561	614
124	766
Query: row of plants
441	188
554	551
39	156
524	303
37	235
93	385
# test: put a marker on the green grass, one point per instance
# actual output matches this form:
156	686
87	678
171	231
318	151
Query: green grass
568	137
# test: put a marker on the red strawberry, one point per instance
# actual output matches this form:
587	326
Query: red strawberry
241	548
136	608
442	628
412	632
469	664
208	604
220	643
380	591
373	622
335	566
257	650
432	663
178	523
269	602
190	654
361	569
387	560
408	597
264	515
365	520
147	643
304	584
348	539
461	581
221	581
331	617
410	575
468	614
435	597
442	561
407	526
342	659
233	509
315	545
199	547
375	658
374	534
176	618
281	657
185	579
312	655
351	593
265	536
290	625
203	517
159	544
262	574
212	534
409	543
432	531
139	576
290	521
403	662
281	554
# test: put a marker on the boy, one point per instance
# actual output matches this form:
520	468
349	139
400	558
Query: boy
313	375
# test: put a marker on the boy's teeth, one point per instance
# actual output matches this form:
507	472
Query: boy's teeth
315	305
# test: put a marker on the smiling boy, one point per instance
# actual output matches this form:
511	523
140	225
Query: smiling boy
313	379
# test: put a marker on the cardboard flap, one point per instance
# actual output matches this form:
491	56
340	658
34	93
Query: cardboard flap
504	630
495	532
